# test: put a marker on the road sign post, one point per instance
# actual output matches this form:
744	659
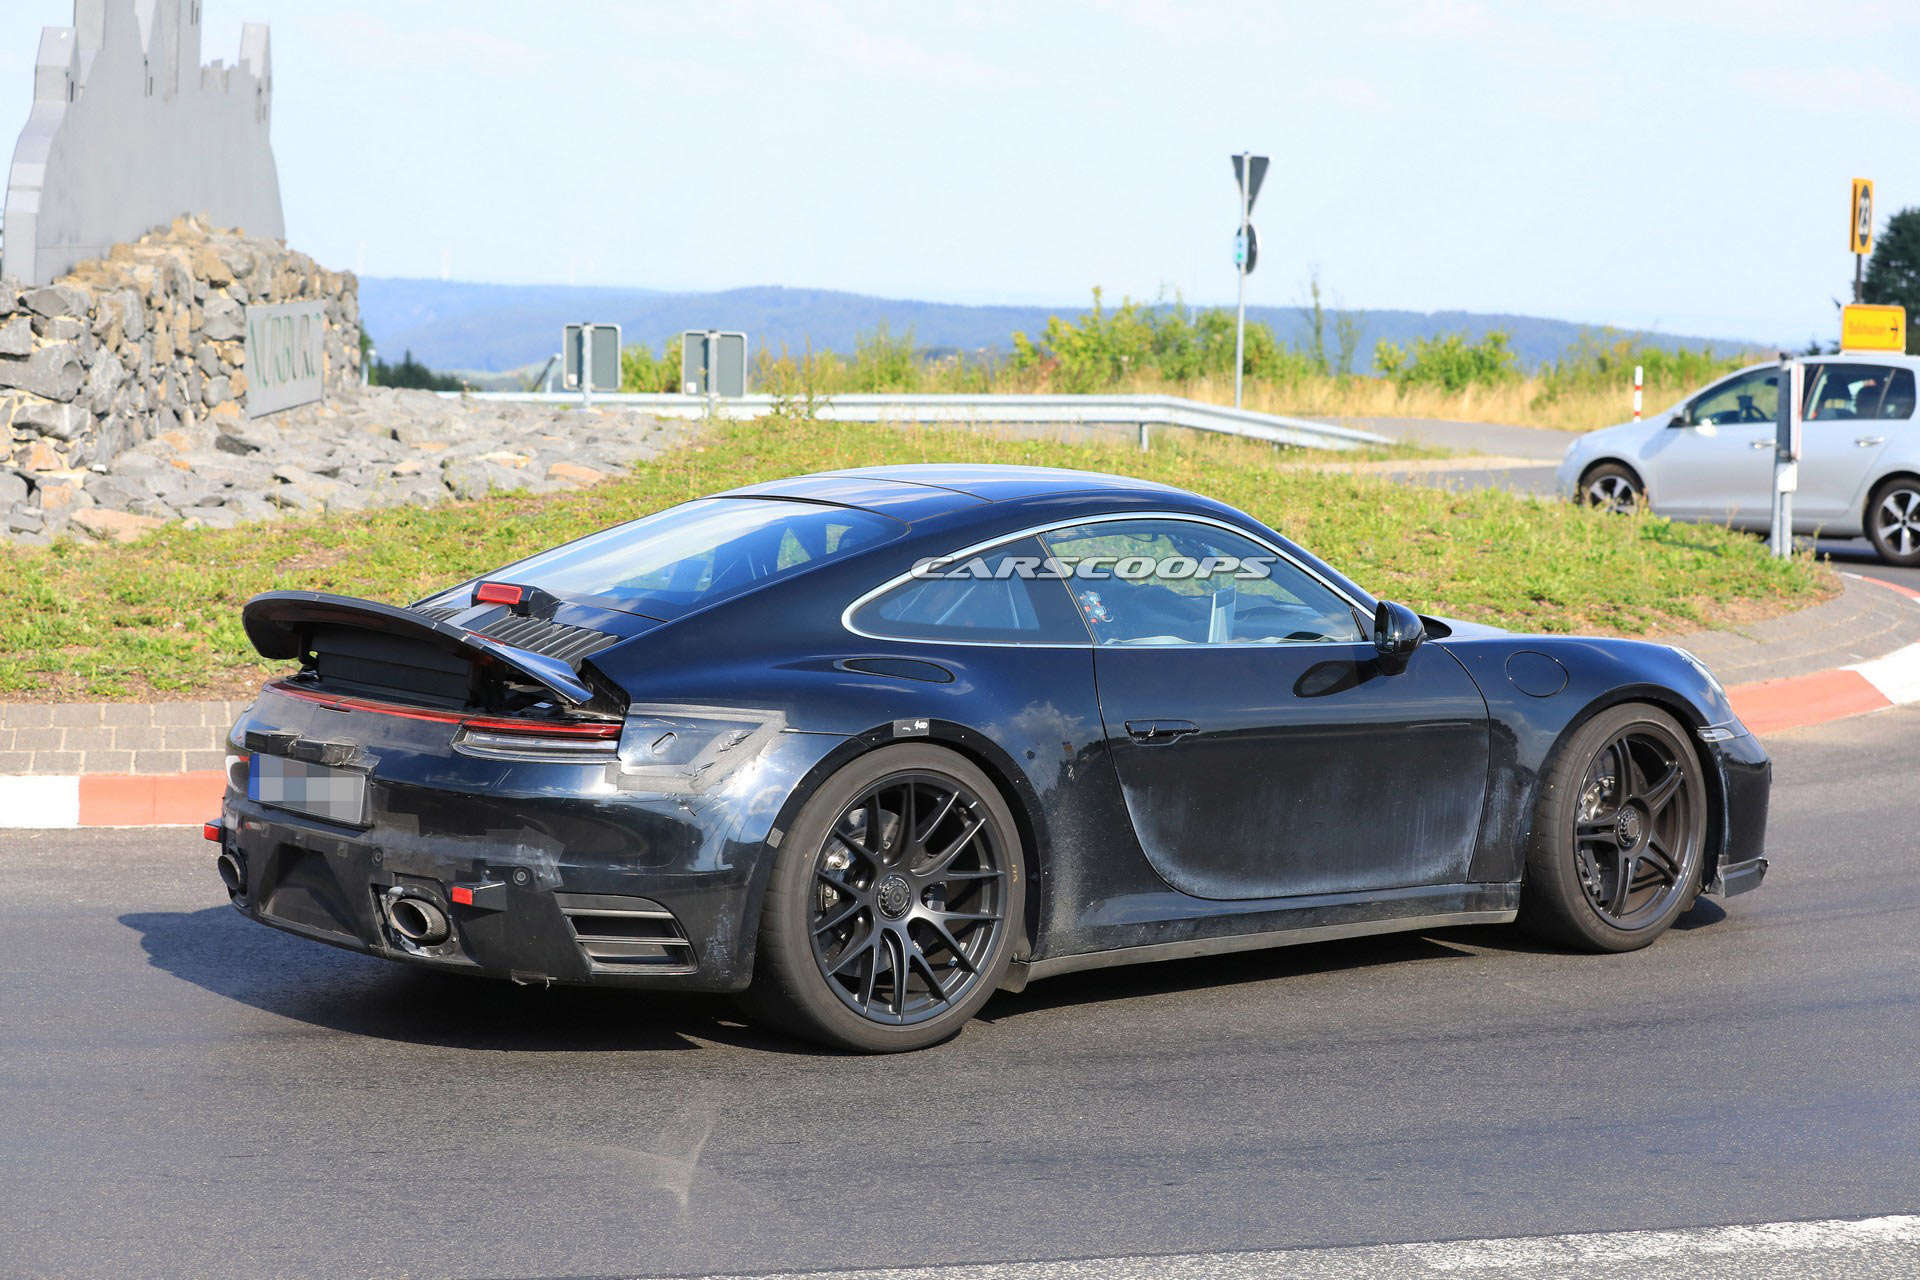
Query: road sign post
1249	171
1786	454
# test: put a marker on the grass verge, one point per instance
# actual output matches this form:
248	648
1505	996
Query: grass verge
160	618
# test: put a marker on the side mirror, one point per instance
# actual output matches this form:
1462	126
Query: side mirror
1682	417
1397	632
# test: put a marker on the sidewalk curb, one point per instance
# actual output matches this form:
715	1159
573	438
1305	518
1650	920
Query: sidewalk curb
45	801
1797	702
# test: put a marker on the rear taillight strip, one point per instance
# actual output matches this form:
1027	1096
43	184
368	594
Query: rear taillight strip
600	729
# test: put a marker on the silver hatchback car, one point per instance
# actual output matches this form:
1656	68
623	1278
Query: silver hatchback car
1710	457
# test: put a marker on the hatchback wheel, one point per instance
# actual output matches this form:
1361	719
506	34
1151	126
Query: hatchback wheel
1893	521
1620	846
893	906
1613	487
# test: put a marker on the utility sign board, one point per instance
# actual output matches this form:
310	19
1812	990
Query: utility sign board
286	355
603	356
1246	249
1873	328
1860	230
713	362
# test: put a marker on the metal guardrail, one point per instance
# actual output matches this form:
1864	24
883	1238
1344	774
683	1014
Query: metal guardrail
1143	412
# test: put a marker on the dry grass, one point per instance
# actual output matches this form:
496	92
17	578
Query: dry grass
1516	403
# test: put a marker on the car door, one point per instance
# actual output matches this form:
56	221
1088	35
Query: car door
1850	412
1261	749
1715	459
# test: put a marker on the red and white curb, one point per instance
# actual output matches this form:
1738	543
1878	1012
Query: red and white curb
110	799
1795	702
187	799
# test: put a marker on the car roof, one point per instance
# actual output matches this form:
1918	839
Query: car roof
920	490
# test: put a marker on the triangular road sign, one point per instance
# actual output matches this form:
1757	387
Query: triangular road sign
1256	172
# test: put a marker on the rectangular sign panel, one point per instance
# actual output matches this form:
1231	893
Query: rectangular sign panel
1873	328
286	355
603	356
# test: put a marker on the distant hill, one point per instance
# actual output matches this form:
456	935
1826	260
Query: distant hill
492	327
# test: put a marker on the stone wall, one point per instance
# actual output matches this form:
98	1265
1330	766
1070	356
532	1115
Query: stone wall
146	341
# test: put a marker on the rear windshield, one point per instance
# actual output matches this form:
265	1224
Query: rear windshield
696	554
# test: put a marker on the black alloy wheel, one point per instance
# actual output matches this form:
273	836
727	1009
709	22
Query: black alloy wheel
1612	487
893	905
1893	521
1622	845
911	898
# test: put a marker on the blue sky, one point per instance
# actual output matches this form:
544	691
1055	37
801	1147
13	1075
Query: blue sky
1681	165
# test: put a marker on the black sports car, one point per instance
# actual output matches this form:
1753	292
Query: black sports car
867	745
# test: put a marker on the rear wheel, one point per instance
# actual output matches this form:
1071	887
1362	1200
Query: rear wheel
890	917
1893	521
1612	486
1620	843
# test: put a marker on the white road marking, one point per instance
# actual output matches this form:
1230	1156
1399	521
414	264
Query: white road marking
1888	1246
1897	676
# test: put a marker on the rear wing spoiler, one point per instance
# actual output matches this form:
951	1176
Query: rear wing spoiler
280	625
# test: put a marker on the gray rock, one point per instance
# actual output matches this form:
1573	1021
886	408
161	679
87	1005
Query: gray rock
102	381
58	300
53	419
54	371
13	487
16	337
224	318
208	359
241	438
216	391
23	519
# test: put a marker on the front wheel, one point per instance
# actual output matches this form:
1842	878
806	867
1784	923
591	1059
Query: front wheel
1612	487
1620	842
1893	521
894	901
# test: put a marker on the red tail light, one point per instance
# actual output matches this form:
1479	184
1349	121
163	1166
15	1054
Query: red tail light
210	830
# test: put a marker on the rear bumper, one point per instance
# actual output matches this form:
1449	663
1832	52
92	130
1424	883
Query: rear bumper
535	915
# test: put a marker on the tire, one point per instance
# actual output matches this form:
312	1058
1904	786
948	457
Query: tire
1893	521
1614	486
893	906
1588	830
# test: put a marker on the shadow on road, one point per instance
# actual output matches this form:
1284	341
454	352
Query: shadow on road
222	952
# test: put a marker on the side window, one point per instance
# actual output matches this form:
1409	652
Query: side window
1001	596
1751	397
1178	582
1847	392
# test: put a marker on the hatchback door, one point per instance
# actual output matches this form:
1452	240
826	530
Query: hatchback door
1850	414
1715	459
1261	749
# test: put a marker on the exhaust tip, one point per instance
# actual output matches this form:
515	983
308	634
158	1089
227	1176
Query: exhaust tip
232	874
418	921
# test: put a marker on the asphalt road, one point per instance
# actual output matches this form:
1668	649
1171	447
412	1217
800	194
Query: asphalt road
185	1092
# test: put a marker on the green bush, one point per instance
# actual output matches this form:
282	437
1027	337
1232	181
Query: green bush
1604	360
642	370
1450	362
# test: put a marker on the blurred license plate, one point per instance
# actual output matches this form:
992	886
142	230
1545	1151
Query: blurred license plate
314	789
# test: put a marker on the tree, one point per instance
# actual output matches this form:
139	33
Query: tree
1893	273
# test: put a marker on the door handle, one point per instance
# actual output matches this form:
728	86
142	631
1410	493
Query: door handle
1153	732
1760	444
1867	442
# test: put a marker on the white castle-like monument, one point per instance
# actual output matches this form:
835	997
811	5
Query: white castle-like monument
128	131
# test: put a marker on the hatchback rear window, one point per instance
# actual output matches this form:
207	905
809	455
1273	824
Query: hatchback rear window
699	553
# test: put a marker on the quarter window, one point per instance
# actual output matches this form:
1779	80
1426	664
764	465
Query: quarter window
1143	582
1002	596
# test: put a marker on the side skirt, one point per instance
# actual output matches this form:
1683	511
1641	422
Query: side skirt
1493	904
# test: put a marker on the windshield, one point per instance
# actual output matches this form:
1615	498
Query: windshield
696	554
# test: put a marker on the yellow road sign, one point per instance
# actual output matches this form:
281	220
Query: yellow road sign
1860	227
1870	328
